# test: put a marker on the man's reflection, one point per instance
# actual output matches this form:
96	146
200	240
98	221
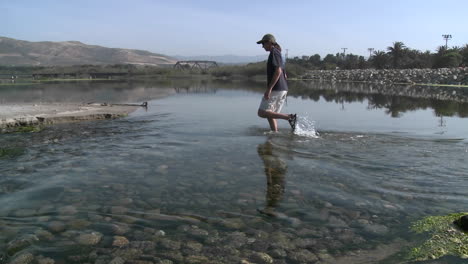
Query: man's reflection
275	171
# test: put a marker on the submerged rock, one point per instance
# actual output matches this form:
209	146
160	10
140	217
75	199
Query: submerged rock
25	213
120	241
302	256
169	244
21	243
44	260
24	258
261	258
462	223
117	260
56	226
90	239
68	210
376	229
195	259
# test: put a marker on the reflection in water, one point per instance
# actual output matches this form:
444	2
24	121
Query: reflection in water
395	99
275	171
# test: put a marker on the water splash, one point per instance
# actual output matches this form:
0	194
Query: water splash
305	127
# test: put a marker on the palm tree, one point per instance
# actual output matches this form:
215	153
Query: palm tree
380	59
397	52
441	50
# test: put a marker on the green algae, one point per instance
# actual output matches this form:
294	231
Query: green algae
27	129
446	238
22	129
10	152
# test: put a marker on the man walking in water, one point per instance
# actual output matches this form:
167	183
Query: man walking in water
277	87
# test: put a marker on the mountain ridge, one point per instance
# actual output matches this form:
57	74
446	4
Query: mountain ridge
65	53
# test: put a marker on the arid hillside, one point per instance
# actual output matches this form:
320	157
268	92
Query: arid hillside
46	53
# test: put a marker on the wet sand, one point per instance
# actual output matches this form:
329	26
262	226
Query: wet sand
14	116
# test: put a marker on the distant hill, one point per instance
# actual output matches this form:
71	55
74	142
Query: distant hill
227	59
47	53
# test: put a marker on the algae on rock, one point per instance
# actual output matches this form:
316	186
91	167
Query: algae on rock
446	238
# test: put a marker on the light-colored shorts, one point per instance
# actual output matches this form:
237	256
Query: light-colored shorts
275	102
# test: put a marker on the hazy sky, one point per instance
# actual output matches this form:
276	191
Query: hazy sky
217	27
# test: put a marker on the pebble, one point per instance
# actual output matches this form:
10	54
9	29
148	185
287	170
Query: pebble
56	226
165	261
125	201
169	244
118	210
160	233
303	256
119	229
20	243
120	241
25	212
90	239
44	218
194	246
391	207
44	235
261	258
376	229
278	253
325	256
44	260
117	260
196	260
24	258
68	210
79	224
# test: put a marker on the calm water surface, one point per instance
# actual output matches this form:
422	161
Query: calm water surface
197	177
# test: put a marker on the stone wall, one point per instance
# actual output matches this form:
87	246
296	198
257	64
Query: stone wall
457	76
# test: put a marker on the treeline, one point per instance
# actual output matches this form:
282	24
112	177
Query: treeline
397	56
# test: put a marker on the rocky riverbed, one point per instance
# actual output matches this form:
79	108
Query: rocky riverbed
94	229
452	76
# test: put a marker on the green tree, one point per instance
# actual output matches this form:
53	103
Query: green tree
330	62
397	52
351	61
362	63
447	58
451	59
380	59
417	59
315	60
464	53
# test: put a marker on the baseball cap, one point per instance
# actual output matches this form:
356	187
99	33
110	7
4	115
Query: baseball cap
267	37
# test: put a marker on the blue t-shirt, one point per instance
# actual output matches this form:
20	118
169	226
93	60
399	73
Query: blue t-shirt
274	61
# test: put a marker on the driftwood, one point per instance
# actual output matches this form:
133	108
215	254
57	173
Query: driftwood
144	104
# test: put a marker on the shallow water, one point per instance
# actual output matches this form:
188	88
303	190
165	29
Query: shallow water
197	178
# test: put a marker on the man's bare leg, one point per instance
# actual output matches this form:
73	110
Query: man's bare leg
273	124
274	115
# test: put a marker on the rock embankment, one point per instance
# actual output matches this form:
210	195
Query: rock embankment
454	76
